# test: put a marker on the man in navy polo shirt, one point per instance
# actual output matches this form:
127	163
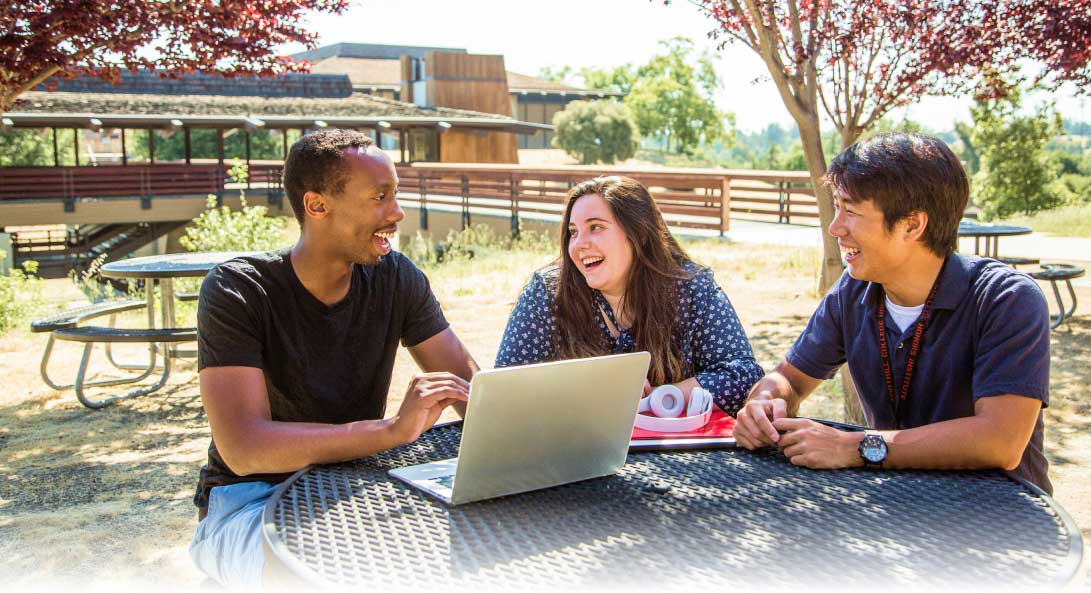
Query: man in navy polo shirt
950	353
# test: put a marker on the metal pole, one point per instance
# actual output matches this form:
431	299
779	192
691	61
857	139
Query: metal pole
76	144
151	147
56	153
124	151
188	147
220	146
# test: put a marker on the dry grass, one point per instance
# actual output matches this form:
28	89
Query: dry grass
95	498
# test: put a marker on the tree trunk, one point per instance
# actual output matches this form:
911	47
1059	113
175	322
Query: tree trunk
811	137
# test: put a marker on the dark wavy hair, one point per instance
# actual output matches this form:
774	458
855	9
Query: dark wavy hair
903	173
314	164
651	291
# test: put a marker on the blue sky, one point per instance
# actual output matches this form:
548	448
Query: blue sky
598	33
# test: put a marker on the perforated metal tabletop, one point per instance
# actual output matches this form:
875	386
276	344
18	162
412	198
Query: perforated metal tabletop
670	520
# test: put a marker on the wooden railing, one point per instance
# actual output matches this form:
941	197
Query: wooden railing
700	198
70	183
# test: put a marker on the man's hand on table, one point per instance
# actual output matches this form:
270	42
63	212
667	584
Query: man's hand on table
754	423
427	396
817	446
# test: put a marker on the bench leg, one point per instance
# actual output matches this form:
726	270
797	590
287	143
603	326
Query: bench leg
126	366
1062	313
97	404
43	370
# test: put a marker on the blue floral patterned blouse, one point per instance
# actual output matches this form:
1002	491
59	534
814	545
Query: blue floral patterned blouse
713	344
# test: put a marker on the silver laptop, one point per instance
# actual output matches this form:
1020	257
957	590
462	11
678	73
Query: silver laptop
538	426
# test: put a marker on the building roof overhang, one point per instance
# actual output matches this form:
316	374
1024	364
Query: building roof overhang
270	122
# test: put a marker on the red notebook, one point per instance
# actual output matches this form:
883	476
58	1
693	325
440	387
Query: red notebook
719	425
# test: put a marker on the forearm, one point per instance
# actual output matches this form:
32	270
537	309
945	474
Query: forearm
973	442
281	447
776	386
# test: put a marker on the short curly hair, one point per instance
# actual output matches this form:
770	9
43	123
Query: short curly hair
314	164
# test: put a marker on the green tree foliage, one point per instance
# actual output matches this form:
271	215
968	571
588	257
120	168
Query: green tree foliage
596	131
223	229
671	98
25	148
171	146
1016	175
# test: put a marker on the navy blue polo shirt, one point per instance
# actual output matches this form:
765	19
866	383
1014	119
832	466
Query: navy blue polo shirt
988	335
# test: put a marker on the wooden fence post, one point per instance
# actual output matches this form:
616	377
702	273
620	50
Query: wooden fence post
725	205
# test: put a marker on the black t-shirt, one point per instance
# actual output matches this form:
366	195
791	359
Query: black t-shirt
328	364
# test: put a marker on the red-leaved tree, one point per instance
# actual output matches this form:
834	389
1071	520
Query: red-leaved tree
43	38
855	60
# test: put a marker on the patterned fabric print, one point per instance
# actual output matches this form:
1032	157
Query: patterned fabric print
713	344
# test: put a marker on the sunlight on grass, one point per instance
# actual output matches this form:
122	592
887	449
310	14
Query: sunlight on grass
1067	221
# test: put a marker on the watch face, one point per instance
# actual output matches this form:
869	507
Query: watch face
874	454
873	448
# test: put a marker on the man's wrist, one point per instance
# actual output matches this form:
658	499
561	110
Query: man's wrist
852	442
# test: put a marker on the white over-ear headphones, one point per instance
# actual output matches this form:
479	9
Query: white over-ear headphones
666	402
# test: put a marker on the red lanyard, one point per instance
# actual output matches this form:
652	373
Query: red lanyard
911	362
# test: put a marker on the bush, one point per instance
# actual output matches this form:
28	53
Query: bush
1016	174
596	132
20	295
474	241
221	229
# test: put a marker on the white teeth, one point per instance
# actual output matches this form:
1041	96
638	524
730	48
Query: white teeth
851	251
591	260
385	235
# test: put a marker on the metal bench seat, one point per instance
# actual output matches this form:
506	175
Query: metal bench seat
72	317
1055	273
91	333
1017	261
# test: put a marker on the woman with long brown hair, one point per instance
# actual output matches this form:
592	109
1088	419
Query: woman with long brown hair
622	284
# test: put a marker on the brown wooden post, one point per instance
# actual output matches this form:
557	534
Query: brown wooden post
220	146
402	148
188	148
284	144
151	146
76	144
56	152
124	150
725	205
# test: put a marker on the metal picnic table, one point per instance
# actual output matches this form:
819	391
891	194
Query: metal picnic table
676	520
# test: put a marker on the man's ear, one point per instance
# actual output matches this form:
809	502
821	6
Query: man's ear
915	224
315	205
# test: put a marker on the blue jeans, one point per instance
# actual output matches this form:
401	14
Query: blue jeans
227	543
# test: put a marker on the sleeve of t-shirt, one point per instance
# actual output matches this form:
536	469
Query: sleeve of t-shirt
1012	354
820	350
725	360
528	337
423	317
228	326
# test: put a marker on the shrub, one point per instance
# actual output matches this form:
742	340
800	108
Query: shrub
596	131
20	295
219	228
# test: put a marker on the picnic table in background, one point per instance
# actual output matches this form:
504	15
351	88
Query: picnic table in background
991	234
703	519
161	269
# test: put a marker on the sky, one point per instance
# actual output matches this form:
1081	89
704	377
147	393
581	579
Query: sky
602	34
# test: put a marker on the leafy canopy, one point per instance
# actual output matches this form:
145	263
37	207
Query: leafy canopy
103	37
596	131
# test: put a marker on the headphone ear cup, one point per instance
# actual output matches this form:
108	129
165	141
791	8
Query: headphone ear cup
667	401
700	400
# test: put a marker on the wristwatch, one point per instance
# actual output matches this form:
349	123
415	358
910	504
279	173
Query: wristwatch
873	450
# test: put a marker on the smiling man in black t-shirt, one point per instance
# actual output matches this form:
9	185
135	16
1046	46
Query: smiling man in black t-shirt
296	348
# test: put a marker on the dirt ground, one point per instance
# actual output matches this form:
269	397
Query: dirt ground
101	499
